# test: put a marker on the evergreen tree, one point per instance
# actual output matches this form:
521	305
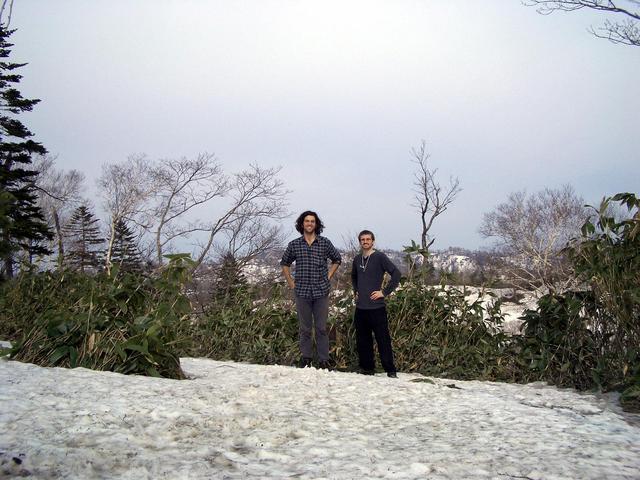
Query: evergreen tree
125	251
22	224
230	282
84	251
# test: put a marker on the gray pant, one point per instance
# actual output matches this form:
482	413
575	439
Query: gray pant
312	312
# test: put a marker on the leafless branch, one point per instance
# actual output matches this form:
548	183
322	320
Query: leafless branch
431	200
59	192
625	31
531	231
5	4
182	185
248	237
125	189
255	193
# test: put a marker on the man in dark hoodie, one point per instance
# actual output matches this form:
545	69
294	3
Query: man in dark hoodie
367	274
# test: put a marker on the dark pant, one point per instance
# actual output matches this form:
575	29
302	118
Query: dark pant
313	313
368	322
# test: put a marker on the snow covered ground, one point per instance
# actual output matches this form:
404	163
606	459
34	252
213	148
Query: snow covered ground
248	421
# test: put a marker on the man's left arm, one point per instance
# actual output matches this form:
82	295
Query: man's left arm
335	257
389	267
332	269
392	270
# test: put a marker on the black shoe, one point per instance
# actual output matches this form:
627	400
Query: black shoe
392	375
367	372
305	362
325	365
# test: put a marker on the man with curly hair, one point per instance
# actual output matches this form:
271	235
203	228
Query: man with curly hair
311	283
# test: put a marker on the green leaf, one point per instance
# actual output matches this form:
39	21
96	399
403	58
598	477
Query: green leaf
73	357
58	354
129	345
121	353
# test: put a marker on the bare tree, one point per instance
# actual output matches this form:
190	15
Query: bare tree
255	196
180	186
244	202
160	199
431	199
248	237
6	10
59	193
624	30
531	231
126	190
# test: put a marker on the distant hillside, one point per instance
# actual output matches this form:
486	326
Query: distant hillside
452	260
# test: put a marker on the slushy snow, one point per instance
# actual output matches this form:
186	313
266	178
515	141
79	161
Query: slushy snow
234	421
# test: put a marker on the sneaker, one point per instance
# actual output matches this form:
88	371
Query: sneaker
392	375
325	365
305	362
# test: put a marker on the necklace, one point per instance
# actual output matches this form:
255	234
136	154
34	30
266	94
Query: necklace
363	263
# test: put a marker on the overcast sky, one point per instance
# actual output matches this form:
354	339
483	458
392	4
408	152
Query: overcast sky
337	93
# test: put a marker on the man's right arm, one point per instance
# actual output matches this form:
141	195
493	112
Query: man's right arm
354	278
287	259
354	275
286	270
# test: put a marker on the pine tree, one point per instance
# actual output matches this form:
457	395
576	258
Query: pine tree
125	251
230	282
82	231
22	224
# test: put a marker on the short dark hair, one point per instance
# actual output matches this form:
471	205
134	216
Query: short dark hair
300	221
366	232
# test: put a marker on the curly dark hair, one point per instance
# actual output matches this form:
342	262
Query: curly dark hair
300	221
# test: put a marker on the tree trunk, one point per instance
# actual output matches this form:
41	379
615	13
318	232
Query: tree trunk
112	238
56	222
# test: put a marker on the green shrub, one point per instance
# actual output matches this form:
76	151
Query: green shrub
557	345
124	323
436	331
247	329
591	338
607	260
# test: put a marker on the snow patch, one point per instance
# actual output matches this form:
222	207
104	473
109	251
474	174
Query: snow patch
251	421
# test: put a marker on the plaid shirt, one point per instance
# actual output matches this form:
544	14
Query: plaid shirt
312	274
